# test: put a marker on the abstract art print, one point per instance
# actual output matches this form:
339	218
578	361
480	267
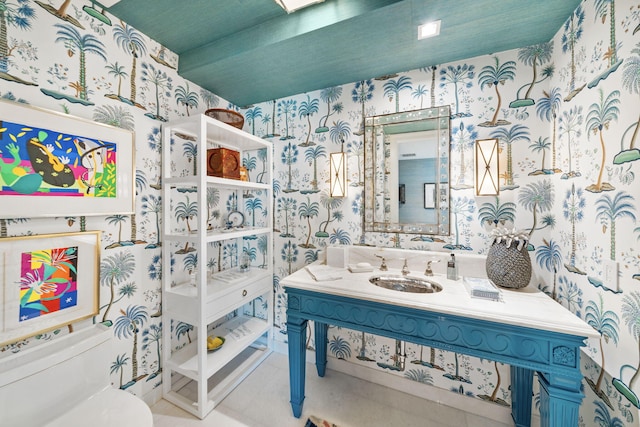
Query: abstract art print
47	281
53	164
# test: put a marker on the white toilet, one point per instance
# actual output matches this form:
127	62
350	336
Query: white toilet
65	382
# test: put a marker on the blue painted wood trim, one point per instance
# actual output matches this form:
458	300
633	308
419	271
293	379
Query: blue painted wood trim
553	355
526	347
320	335
297	337
521	387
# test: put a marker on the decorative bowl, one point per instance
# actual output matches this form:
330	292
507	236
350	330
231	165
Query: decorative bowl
229	117
211	350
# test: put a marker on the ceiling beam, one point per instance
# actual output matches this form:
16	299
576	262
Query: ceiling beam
275	31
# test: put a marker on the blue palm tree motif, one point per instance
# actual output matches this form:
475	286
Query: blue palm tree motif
311	156
84	44
459	75
126	326
532	55
537	196
153	335
497	214
492	76
463	139
630	316
308	108
339	347
508	137
329	95
460	206
631	82
600	115
289	254
570	126
604	8
289	157
573	210
603	417
547	109
308	210
251	115
392	89
361	93
573	33
606	323
549	257
288	108
18	15
608	210
570	295
132	42
288	206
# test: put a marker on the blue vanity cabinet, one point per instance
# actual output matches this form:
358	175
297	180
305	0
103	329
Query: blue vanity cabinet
554	355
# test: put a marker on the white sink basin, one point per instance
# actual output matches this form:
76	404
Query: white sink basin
405	283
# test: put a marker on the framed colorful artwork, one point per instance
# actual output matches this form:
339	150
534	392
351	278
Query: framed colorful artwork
54	164
48	281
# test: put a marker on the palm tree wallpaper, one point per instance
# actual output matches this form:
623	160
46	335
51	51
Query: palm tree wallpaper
565	112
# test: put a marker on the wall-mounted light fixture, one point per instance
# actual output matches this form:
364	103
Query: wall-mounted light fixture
293	5
487	167
338	173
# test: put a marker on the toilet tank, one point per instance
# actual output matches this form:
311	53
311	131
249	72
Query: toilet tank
42	382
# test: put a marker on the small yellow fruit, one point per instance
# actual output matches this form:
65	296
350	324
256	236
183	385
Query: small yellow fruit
214	343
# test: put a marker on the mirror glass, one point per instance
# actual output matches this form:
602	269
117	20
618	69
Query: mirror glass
406	161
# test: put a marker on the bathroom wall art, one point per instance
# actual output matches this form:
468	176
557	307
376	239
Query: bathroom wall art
48	281
54	164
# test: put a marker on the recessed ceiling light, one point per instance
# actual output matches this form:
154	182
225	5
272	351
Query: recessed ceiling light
293	5
107	3
429	29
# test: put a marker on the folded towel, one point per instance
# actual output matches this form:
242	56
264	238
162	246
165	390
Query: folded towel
360	268
323	273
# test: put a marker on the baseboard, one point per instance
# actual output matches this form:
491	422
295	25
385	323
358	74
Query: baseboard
464	403
152	397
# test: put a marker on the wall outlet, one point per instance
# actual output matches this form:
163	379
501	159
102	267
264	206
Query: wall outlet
610	274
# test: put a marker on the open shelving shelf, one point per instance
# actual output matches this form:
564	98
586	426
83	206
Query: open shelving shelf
233	304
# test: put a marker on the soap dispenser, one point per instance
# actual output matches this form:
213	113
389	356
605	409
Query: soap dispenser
452	268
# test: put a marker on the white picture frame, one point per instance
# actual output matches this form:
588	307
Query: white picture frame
57	165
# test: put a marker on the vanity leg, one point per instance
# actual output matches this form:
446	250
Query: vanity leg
560	399
321	347
521	392
297	335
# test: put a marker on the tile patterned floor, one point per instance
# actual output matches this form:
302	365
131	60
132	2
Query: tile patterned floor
262	400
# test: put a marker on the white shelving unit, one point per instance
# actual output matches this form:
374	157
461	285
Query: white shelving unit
204	293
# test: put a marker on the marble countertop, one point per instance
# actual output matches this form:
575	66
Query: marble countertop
527	307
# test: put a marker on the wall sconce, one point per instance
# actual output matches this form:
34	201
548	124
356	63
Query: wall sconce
338	174
487	167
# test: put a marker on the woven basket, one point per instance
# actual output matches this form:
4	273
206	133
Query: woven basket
229	117
507	266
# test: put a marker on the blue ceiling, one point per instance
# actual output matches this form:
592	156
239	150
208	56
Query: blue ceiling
249	51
